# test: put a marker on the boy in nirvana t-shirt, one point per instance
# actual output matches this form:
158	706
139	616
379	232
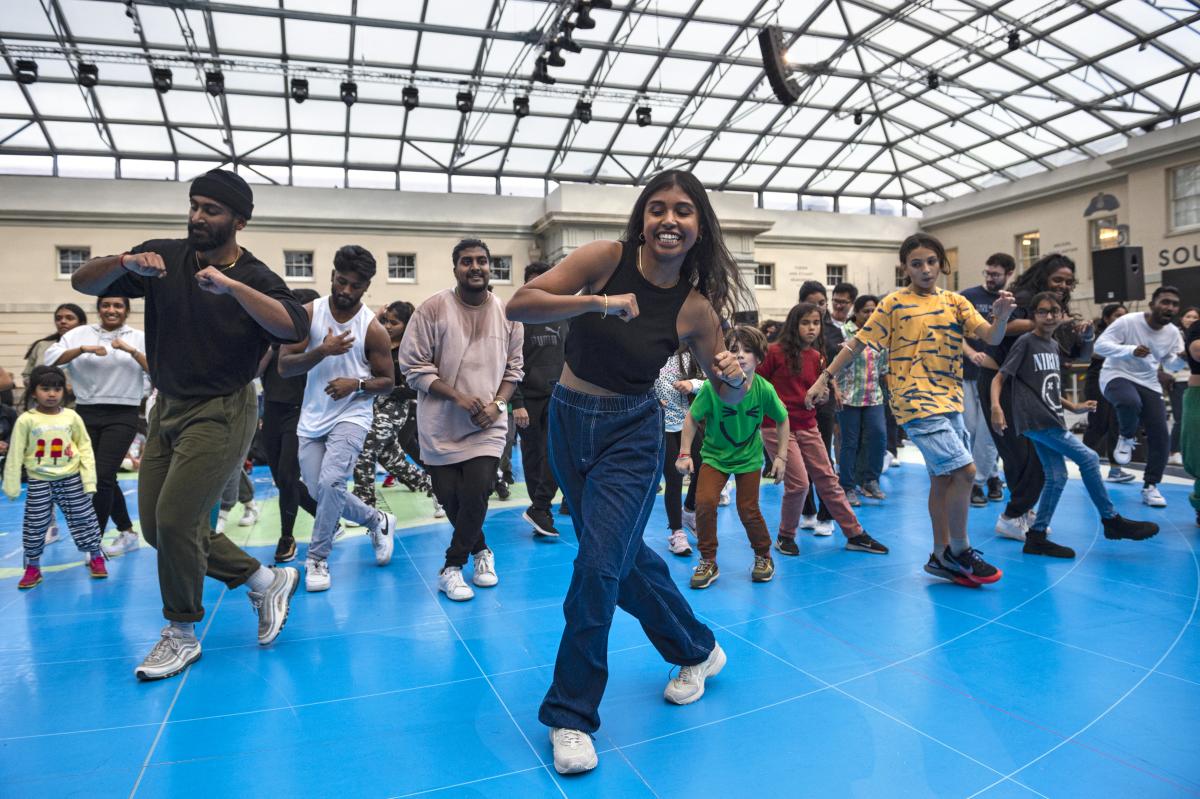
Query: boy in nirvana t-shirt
1034	367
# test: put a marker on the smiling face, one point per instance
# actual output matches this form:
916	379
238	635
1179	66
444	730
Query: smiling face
923	266
670	224
64	320
1061	281
473	270
810	327
863	314
113	312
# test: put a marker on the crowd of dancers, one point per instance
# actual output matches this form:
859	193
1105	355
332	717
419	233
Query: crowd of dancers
621	374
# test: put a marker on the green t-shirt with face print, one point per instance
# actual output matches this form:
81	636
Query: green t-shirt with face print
732	443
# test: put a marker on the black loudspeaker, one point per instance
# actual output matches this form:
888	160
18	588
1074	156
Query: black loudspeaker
745	318
1187	280
1118	275
770	41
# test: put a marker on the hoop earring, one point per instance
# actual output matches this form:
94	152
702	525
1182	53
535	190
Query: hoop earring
642	238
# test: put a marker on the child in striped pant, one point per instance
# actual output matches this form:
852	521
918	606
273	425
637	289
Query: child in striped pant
51	442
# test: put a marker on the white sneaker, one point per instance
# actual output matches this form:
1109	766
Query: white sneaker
725	492
887	461
1151	497
438	511
383	539
689	685
824	527
689	519
1123	452
316	575
485	569
677	542
173	653
452	584
573	751
1176	459
1011	528
249	515
126	541
52	532
222	518
808	522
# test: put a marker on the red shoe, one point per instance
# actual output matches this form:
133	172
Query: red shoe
389	481
33	576
96	567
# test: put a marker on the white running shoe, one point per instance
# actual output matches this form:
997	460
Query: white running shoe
438	511
452	584
887	460
808	522
52	532
677	542
689	685
573	751
316	575
1151	497
383	539
1123	452
725	492
126	541
1011	528
1176	459
173	653
249	514
823	528
485	569
689	519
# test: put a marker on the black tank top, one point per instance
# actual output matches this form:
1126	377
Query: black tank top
626	357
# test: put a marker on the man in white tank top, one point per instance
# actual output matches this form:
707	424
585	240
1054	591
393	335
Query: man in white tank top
348	360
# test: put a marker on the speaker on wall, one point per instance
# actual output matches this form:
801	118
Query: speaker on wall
1187	280
1118	275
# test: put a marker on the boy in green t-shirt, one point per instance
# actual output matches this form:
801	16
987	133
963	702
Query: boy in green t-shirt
733	445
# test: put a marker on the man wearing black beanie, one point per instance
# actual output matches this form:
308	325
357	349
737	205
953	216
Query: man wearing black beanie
212	309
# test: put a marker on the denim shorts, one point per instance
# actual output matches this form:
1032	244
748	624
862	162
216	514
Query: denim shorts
943	440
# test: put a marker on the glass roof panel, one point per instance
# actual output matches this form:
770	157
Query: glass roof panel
318	40
141	138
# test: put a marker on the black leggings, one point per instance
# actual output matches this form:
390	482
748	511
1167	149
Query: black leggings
279	420
673	495
112	429
1022	467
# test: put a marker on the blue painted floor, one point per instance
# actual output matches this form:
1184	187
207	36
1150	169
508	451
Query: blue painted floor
849	675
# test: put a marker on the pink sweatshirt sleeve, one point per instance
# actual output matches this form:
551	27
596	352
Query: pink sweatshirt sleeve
416	352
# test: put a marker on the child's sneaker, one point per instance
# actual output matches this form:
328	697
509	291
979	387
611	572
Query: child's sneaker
33	576
978	498
126	541
1036	543
863	542
389	481
96	567
808	522
972	565
764	569
1118	475
787	544
725	495
1120	527
934	566
824	527
677	542
705	574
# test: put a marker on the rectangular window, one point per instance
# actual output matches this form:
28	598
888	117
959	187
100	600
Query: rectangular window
1185	197
502	269
1104	233
1029	248
71	258
298	265
834	274
402	267
901	277
764	276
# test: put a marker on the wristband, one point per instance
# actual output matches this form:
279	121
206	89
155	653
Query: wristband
605	314
681	457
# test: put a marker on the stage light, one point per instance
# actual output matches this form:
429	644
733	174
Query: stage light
521	106
554	58
214	83
349	92
583	20
465	101
933	81
89	75
27	71
565	41
583	111
770	42
858	117
299	89
643	116
1014	42
162	79
539	72
410	97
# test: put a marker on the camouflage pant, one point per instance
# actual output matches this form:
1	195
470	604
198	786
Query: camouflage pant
383	446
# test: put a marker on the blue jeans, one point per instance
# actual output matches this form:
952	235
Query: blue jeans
325	466
1053	446
606	454
863	428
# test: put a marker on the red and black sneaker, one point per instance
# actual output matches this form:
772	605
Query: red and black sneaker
33	576
96	567
935	567
971	564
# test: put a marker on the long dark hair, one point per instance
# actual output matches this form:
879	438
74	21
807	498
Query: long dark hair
708	265
1106	315
789	338
1034	281
73	308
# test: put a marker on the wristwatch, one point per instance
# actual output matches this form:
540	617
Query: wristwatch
362	386
502	405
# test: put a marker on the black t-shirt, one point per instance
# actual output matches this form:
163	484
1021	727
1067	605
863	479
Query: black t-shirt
982	299
199	344
1036	372
999	352
1190	335
276	388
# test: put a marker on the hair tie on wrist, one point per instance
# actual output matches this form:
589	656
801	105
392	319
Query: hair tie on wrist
605	314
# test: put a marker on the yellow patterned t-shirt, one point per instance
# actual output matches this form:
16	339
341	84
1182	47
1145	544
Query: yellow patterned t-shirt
923	335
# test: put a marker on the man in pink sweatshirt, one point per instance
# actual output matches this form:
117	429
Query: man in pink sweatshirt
463	357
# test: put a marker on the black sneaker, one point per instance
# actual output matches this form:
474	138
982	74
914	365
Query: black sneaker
864	543
995	492
563	510
285	550
1120	527
978	500
502	490
542	521
787	545
935	567
1036	543
972	565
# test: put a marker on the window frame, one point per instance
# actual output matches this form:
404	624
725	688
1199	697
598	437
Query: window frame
770	275
1172	226
402	280
312	265
1022	263
496	281
59	249
842	279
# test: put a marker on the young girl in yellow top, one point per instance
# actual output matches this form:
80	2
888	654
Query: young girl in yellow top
51	442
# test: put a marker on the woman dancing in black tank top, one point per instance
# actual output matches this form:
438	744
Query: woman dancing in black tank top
632	302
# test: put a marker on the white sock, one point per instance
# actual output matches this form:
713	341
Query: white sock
186	628
261	580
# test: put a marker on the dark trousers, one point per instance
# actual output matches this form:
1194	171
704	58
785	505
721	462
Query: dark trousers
607	454
1135	403
1177	390
279	420
112	429
1101	433
1022	467
192	448
860	459
689	501
462	489
673	495
826	419
539	480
